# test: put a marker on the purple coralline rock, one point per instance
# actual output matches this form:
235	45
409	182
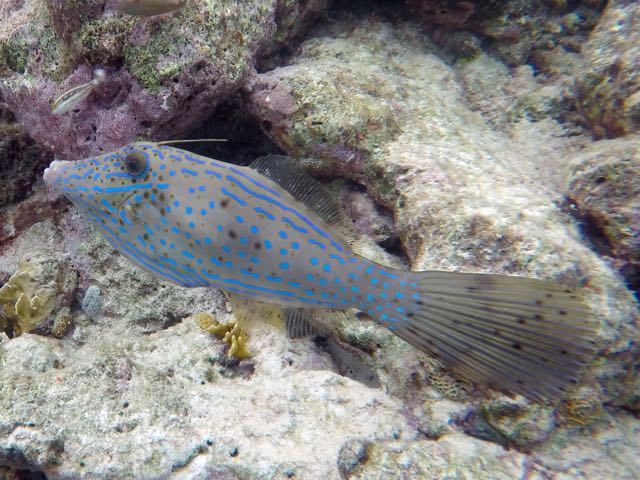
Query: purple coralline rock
165	74
21	159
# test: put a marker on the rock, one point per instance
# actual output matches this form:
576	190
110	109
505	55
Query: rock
608	84
464	196
120	391
603	183
452	456
164	74
21	159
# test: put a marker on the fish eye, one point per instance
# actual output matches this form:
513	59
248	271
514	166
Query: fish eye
135	163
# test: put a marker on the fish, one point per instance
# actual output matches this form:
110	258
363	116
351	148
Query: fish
148	8
270	235
72	97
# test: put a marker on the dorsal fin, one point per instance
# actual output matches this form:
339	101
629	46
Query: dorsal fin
290	176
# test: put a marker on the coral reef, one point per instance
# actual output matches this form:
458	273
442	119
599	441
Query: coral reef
21	159
515	31
603	184
453	165
402	137
229	332
164	74
31	293
608	84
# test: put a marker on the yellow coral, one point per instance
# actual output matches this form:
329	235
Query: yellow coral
24	302
230	333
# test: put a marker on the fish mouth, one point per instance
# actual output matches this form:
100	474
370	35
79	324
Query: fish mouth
53	173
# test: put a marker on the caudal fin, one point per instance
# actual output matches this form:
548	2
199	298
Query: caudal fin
513	334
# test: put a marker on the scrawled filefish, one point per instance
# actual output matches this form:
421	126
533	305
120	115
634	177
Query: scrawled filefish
72	97
148	8
268	232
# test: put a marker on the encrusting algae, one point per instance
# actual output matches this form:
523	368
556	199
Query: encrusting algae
229	332
269	233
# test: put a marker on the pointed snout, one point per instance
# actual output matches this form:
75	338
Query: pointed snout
53	173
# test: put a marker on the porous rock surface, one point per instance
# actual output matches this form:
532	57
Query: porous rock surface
164	74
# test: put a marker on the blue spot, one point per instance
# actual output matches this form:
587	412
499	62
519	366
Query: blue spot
187	254
168	209
254	229
192	225
254	260
283	251
383	295
384	317
188	210
244	240
207	241
326	267
248	273
374	281
294	284
273	279
228	264
189	172
355	289
267	244
265	213
187	235
175	230
353	276
240	201
400	310
388	275
172	173
309	292
239	219
201	188
198	242
212	204
313	261
399	295
203	212
323	281
385	285
176	203
163	166
163	241
284	265
226	249
370	297
152	248
172	246
283	234
403	283
414	284
317	244
295	245
199	261
242	254
310	277
220	228
192	190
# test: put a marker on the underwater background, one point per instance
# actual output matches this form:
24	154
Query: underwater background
477	136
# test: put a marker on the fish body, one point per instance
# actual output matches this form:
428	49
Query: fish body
196	221
148	8
72	97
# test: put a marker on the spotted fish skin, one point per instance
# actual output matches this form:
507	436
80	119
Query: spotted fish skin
195	221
